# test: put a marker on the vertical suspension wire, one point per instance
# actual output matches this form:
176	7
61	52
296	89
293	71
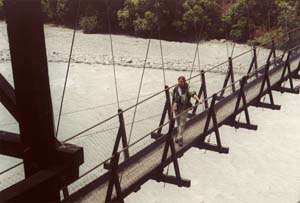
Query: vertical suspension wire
248	16
249	31
194	59
198	38
162	56
225	29
160	42
227	45
138	95
232	51
197	52
112	51
227	42
227	38
193	64
140	88
68	66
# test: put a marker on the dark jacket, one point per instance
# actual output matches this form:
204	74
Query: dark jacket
182	101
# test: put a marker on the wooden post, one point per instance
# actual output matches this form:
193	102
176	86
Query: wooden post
211	116
159	176
30	70
230	75
253	63
167	110
272	53
287	67
241	98
114	182
266	81
48	165
202	91
121	136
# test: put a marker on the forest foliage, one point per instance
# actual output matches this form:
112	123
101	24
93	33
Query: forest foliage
184	20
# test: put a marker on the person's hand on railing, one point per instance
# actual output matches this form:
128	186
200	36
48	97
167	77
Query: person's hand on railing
198	99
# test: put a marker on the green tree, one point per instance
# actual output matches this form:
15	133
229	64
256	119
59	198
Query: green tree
200	15
288	14
66	12
237	22
126	15
142	16
89	24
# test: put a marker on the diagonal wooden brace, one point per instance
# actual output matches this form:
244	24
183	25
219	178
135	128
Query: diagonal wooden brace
212	116
121	136
287	67
253	66
297	75
8	97
229	75
241	97
114	182
160	176
272	53
202	92
167	110
266	81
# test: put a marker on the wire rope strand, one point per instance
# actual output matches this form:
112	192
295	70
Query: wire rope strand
68	68
112	51
160	42
140	88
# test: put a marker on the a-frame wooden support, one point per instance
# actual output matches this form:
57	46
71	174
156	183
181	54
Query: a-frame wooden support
272	53
241	97
160	176
287	67
268	61
266	81
121	136
202	92
229	75
167	110
253	66
212	116
297	75
114	182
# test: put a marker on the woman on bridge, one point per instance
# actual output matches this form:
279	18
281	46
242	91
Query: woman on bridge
181	102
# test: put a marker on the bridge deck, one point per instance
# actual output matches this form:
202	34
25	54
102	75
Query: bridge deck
140	167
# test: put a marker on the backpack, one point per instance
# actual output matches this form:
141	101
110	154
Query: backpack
177	98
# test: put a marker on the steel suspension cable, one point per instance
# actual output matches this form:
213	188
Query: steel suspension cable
112	52
140	88
68	67
138	96
198	38
226	34
193	64
196	53
160	42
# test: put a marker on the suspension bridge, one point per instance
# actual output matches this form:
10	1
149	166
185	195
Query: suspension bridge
132	159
